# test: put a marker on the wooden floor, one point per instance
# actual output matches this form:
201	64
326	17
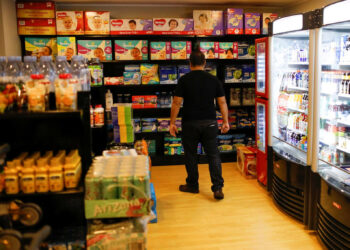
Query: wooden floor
246	219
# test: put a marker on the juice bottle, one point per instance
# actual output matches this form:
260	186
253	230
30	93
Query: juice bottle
55	172
11	178
41	173
72	169
28	179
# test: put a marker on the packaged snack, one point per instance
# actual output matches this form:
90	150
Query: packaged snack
66	47
149	124
160	51
234	21
37	95
209	49
137	125
173	26
70	22
35	9
131	49
238	139
101	49
149	73
211	68
183	70
119	80
181	50
40	47
267	18
168	74
233	74
163	124
138	102
235	97
66	92
132	78
248	73
208	22
225	143
246	51
150	101
131	26
228	50
252	23
36	26
96	23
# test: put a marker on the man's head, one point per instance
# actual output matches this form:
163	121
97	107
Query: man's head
197	60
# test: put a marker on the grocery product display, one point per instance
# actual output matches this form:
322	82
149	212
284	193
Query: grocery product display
173	26
131	26
131	50
160	50
40	47
234	21
252	23
96	22
66	46
208	22
70	22
101	49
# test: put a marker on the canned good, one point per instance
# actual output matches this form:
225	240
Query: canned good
142	186
125	190
92	188
110	188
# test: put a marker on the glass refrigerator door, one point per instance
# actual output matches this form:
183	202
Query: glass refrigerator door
261	58
290	91
261	126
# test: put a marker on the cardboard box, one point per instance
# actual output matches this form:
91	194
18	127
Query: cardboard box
119	80
160	50
248	73
267	18
131	26
163	124
182	70
246	161
225	143
252	23
132	78
131	49
35	9
70	22
211	68
209	49
36	26
246	51
137	125
138	102
173	26
181	50
66	47
228	50
168	74
208	22
40	47
101	49
122	114
96	23
234	21
233	74
150	101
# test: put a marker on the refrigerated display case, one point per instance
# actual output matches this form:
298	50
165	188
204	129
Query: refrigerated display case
331	157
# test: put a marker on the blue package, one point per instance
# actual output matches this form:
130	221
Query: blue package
225	143
238	139
168	75
233	74
132	78
137	125
248	73
211	68
149	124
246	51
183	70
132	68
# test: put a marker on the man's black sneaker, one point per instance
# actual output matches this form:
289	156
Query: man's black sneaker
188	189
219	195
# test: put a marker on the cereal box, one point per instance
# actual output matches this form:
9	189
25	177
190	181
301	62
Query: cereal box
168	74
252	23
131	49
160	50
101	49
208	22
131	26
234	21
228	50
181	50
66	47
267	18
210	49
40	47
70	22
96	23
149	73
35	9
173	26
36	26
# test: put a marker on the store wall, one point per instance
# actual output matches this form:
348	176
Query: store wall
2	44
306	6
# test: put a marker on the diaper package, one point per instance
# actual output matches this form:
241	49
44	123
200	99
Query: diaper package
137	125
209	49
163	124
66	47
132	78
208	22
150	101
131	49
183	70
131	26
168	74
267	18
138	102
160	50
96	22
228	50
234	21
246	51
248	73
149	73
252	23
235	97
233	74
181	50
40	46
70	22
101	49
132	68
173	26
149	124
225	143
211	68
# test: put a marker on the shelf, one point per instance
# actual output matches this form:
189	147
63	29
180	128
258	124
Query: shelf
142	86
326	143
295	89
297	131
343	149
347	123
181	62
239	84
41	115
297	110
347	96
298	63
77	191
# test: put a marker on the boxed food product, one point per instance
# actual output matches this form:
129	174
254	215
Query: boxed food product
181	50
183	70
235	97
149	124
173	26
233	74
225	143
149	73
208	22
209	49
211	68
101	49
70	22
131	26
246	51
252	23
228	50
118	80
160	50
36	26
234	21
150	101
168	74
138	102
96	23
132	78
66	47
36	9
267	18
246	161
248	73
163	124
131	49
40	46
137	126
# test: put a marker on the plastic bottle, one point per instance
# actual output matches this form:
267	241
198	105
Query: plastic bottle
62	66
66	92
81	72
99	116
11	179
109	100
48	69
13	80
30	67
92	119
28	177
56	182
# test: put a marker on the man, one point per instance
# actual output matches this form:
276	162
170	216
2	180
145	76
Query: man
198	90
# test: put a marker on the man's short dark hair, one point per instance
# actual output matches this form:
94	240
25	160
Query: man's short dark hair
132	21
197	58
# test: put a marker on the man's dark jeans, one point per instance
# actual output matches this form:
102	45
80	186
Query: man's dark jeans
205	132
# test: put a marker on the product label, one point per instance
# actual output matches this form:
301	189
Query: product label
96	73
101	49
131	26
173	26
66	47
131	50
97	23
70	22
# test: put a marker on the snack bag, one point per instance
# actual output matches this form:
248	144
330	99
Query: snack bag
149	73
40	47
70	22
181	50
66	47
101	49
97	23
131	49
160	51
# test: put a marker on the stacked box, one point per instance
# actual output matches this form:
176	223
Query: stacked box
66	47
246	51
70	22
173	26
35	9
167	75
234	21
248	73
32	26
246	161
208	22
40	47
233	74
252	23
210	49
131	49
96	22
181	50
160	50
131	26
228	50
101	49
122	123
267	18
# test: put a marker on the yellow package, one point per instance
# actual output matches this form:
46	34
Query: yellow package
41	173
56	182
149	73
72	169
11	178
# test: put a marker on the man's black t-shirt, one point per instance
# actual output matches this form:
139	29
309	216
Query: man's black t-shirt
199	89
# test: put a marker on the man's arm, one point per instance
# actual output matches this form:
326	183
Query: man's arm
175	109
224	112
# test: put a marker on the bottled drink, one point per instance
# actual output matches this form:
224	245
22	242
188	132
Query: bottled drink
2	65
30	67
62	66
47	68
81	72
96	72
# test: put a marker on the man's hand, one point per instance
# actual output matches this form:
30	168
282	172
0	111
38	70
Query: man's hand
173	130
225	128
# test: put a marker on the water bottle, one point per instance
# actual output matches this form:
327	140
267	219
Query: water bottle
47	68
81	72
2	65
62	66
30	67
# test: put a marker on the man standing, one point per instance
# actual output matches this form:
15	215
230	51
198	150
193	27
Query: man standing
198	91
